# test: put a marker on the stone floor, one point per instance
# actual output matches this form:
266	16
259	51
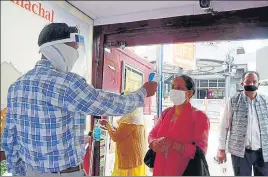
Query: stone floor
214	168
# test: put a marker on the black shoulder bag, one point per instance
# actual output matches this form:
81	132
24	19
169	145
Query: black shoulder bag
150	154
197	166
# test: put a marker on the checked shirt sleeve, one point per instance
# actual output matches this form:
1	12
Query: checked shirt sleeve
82	97
15	165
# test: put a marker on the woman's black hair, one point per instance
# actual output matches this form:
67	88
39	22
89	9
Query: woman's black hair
190	85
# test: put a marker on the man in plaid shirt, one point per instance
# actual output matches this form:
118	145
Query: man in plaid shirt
45	123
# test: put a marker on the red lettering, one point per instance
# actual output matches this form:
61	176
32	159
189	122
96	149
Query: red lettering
28	5
21	3
38	10
47	15
41	10
52	17
33	8
18	2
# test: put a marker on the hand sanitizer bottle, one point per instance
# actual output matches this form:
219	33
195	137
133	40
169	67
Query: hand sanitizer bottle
97	131
223	167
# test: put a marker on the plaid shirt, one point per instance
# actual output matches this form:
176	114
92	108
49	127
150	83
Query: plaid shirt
45	120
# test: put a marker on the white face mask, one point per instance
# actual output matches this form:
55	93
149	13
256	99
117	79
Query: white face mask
62	56
177	97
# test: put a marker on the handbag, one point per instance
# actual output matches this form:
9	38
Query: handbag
149	158
197	166
150	154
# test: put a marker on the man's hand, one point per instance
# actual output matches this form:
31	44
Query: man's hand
160	145
221	155
103	122
151	88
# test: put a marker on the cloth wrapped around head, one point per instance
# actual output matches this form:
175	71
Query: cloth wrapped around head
136	117
62	45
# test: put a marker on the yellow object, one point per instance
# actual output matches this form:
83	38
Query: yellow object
130	144
136	171
126	92
3	120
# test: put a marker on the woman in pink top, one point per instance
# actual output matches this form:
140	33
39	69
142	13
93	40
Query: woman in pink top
173	135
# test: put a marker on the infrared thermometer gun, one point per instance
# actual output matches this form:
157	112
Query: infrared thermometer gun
153	77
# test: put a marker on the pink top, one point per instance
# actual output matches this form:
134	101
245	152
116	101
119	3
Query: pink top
192	126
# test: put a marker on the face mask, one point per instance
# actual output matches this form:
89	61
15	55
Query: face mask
250	88
177	97
62	56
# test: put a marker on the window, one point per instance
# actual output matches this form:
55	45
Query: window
132	79
221	84
204	83
196	82
213	84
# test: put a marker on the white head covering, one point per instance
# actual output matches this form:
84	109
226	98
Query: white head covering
62	56
135	117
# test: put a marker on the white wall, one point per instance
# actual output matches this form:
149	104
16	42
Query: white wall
207	52
262	62
219	76
20	29
9	74
263	90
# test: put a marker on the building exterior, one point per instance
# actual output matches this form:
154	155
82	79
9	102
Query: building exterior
219	66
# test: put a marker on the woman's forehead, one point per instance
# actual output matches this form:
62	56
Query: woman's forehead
178	81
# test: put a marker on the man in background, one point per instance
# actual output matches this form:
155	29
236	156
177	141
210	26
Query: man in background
246	120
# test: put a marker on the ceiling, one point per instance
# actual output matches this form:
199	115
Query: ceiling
111	12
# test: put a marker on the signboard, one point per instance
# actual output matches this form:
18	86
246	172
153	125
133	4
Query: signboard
132	79
184	55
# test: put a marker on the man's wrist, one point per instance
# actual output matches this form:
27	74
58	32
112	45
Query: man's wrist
221	147
143	91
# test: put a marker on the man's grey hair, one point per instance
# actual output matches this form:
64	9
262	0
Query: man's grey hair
250	72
